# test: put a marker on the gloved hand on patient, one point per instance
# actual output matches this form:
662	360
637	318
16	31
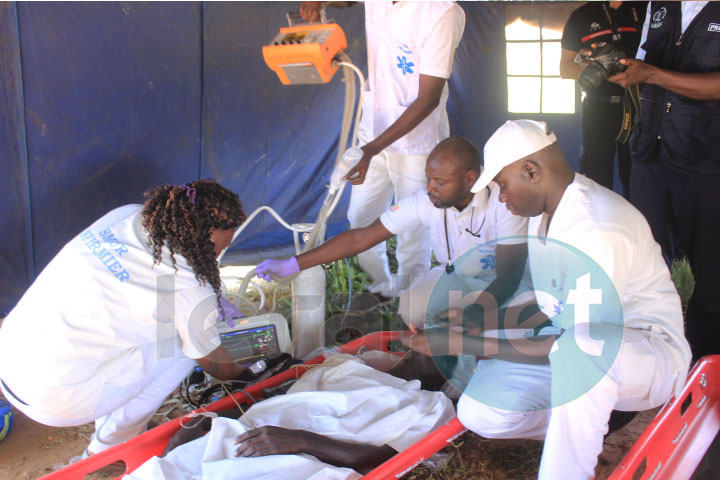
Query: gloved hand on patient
270	269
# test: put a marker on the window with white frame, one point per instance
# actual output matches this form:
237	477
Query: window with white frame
532	36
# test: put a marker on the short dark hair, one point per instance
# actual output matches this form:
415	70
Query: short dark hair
463	150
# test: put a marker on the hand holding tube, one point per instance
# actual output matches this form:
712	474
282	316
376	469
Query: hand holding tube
277	268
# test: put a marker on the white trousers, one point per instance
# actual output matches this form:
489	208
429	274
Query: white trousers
402	175
122	412
512	400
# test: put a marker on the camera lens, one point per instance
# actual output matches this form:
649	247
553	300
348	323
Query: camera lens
604	62
592	77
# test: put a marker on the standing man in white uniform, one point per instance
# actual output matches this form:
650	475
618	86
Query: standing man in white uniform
612	345
410	48
122	314
458	221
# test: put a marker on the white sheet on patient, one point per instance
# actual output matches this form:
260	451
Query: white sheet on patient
343	399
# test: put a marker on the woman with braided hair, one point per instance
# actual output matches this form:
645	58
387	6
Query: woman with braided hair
122	314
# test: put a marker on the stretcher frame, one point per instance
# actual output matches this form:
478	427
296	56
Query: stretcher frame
671	447
675	442
136	451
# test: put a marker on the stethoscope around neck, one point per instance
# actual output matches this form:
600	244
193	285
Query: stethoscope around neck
450	268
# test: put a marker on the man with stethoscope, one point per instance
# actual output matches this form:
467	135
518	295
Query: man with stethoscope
458	221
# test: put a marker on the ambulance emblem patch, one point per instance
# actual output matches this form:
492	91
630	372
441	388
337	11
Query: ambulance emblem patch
658	17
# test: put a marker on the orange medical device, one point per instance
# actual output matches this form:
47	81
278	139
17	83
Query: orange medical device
304	54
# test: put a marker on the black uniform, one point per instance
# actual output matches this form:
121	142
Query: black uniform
675	178
602	108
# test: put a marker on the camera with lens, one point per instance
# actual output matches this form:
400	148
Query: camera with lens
604	62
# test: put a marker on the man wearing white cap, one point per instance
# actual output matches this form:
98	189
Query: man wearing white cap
614	339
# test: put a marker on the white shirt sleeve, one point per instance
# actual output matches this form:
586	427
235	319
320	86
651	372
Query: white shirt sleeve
196	316
405	215
438	50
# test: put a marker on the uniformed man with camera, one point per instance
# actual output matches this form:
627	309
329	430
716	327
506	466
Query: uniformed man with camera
614	29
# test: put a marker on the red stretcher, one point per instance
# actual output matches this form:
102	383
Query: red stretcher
670	448
136	451
674	443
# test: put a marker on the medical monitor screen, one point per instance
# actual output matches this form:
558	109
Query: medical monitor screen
251	345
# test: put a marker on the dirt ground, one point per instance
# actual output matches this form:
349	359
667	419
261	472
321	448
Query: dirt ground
33	450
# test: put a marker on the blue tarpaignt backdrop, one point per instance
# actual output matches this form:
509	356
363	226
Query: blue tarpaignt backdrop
101	101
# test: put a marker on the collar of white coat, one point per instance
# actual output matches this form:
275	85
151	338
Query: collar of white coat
569	210
479	202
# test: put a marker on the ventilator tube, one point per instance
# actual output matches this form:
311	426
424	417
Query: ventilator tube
351	157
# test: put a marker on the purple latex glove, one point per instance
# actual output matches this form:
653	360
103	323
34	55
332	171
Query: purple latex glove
278	268
230	311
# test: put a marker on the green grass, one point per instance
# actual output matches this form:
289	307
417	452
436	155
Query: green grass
478	458
337	294
337	284
683	279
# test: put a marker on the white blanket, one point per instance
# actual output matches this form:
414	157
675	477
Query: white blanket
343	399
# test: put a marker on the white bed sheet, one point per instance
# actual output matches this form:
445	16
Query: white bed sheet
342	399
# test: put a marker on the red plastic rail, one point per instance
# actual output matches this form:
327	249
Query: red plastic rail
674	443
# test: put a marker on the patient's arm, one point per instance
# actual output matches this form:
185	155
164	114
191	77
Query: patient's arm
270	440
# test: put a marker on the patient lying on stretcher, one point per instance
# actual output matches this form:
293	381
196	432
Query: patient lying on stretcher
340	418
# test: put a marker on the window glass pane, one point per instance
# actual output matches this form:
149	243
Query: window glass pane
523	95
551	58
551	33
522	29
523	58
558	95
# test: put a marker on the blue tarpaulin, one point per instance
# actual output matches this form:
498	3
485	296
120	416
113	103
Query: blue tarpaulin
101	101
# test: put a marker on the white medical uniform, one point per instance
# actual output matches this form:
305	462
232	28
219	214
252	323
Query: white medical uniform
404	40
484	222
104	335
653	357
